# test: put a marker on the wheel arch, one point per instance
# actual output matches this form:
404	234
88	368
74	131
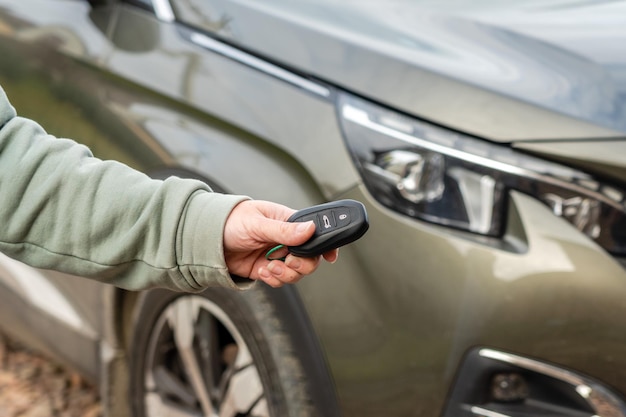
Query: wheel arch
121	304
296	322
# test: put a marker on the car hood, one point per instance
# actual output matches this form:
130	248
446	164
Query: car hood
520	71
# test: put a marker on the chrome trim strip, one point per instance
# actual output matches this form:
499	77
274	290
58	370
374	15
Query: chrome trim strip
533	365
258	64
483	412
163	10
599	398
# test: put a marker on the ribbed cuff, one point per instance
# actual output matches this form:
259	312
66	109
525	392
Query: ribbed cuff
200	241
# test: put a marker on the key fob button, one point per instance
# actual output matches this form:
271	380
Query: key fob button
326	221
343	217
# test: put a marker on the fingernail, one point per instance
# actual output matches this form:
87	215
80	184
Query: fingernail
302	227
264	273
293	262
275	268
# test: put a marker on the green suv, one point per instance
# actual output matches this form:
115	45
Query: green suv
486	139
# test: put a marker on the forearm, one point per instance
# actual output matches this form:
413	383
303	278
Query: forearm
64	209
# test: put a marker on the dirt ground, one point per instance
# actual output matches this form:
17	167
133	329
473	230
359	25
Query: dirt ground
33	386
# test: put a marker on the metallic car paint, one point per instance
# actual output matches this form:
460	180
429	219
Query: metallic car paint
399	310
603	157
396	329
235	93
482	69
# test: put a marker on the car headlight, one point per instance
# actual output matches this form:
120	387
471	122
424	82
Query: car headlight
440	176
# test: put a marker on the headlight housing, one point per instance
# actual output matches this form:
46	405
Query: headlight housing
433	174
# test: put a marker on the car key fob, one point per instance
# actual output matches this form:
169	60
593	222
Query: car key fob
337	224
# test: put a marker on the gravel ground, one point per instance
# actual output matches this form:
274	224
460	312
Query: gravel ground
33	386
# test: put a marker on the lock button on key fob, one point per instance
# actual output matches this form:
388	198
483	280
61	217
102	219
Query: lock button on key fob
336	224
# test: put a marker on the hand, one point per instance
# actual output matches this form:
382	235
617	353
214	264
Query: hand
253	228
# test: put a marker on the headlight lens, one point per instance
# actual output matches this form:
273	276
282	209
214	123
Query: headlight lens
436	175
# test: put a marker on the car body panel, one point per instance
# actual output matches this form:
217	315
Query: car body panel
396	331
63	317
44	308
398	312
605	158
124	121
500	71
236	92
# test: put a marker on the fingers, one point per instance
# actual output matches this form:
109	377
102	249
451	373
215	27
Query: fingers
254	226
303	266
266	276
289	234
331	256
278	273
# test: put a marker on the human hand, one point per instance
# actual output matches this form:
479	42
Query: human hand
253	228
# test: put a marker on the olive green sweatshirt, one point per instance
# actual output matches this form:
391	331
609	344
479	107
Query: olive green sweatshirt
63	209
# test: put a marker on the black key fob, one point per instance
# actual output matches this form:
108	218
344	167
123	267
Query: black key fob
337	224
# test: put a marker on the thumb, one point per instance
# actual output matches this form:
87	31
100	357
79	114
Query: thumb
286	233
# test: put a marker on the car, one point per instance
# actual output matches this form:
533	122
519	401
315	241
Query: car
487	141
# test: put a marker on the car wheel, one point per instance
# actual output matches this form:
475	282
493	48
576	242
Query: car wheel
218	353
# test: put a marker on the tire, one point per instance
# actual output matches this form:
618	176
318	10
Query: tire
234	342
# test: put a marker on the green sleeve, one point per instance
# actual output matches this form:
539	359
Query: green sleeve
65	210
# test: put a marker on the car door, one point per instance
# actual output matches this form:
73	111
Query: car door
162	98
49	69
